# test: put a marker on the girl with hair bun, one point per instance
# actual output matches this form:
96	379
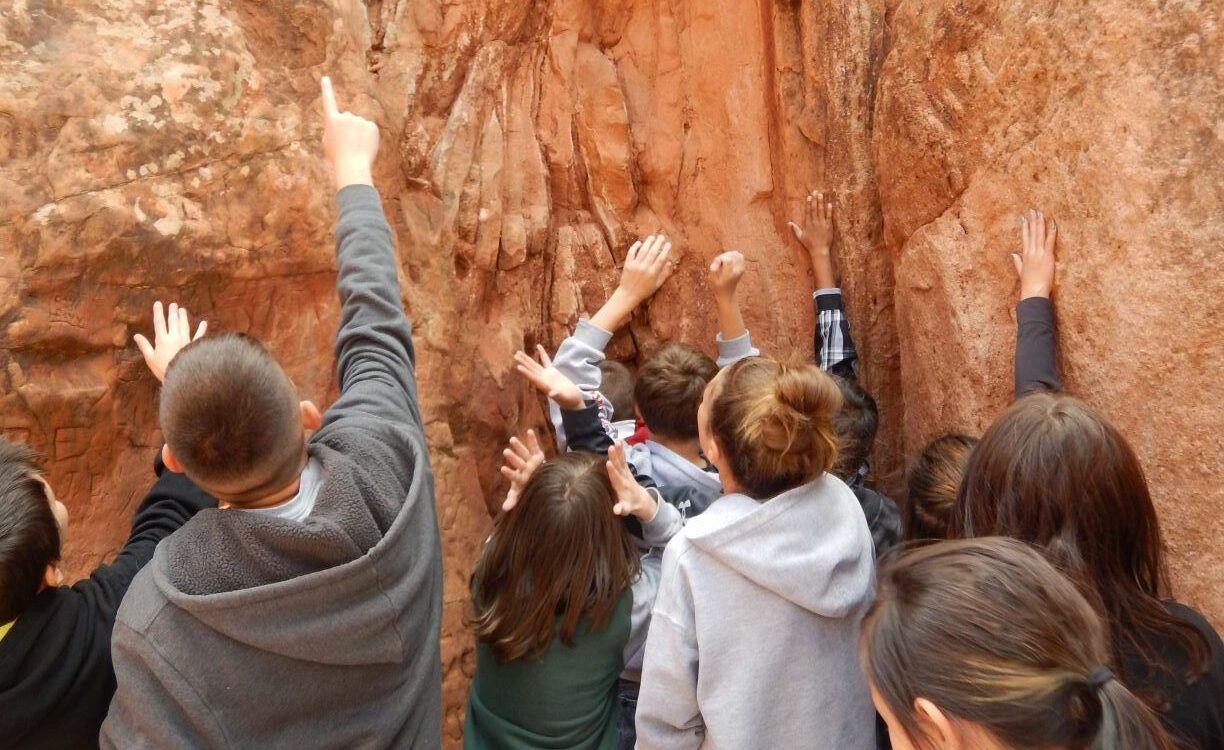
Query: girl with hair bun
983	644
753	637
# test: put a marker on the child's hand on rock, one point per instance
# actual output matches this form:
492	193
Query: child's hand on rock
170	334
1036	263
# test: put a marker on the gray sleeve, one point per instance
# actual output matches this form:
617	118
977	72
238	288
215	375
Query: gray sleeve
1036	370
578	359
730	352
375	359
656	533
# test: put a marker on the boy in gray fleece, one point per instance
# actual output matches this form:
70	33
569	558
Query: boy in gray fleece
306	611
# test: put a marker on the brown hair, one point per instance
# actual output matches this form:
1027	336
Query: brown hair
774	422
856	423
231	417
29	536
669	388
932	483
616	385
992	634
1051	471
560	553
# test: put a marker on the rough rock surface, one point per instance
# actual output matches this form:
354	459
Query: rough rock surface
168	150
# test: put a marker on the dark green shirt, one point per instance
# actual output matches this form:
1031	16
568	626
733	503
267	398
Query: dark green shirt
566	698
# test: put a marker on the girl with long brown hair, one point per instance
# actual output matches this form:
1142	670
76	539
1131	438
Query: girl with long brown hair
561	597
982	644
752	640
1053	472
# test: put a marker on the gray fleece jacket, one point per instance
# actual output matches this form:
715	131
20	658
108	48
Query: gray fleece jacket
251	631
754	636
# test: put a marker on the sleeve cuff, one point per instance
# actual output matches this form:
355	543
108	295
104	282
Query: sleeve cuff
828	299
1035	310
735	349
352	197
658	531
592	335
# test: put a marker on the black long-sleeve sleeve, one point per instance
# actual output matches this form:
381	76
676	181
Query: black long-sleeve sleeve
1036	369
170	503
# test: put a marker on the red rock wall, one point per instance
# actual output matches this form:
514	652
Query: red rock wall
168	150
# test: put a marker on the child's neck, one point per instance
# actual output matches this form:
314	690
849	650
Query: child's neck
689	450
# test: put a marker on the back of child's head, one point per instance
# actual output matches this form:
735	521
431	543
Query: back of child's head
29	536
856	424
994	636
1054	472
231	417
932	483
616	385
669	388
774	424
561	552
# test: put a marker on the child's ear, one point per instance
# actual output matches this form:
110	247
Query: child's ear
936	725
311	418
53	576
170	461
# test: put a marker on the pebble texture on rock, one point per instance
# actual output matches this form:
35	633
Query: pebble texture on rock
169	150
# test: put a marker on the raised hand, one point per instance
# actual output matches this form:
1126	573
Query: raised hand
632	499
726	272
1035	264
647	266
170	334
816	236
548	379
522	459
350	142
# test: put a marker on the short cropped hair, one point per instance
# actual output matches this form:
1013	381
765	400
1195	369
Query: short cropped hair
856	424
29	536
669	390
616	385
231	416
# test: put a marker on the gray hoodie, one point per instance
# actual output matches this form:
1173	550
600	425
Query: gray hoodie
754	636
252	631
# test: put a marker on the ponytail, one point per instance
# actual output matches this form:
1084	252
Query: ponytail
1127	722
775	423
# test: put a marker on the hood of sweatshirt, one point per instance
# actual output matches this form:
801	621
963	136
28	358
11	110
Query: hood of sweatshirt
810	545
352	567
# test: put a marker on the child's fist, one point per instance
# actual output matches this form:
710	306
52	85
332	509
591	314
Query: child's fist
726	272
350	142
1036	264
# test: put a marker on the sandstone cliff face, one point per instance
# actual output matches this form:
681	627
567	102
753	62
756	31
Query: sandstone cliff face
168	150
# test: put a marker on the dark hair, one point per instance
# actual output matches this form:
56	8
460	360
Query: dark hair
932	483
1053	472
774	422
669	388
29	536
231	417
561	552
616	385
989	632
856	423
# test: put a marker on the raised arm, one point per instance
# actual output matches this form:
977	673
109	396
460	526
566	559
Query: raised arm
375	360
733	340
1035	368
832	343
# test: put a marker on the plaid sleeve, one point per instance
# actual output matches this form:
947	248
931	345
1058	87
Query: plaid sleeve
834	347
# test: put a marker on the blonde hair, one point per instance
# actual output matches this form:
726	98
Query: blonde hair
774	421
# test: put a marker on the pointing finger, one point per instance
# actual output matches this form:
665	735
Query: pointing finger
330	109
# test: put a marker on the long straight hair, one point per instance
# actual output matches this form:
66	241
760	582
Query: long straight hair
561	553
989	631
1053	472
